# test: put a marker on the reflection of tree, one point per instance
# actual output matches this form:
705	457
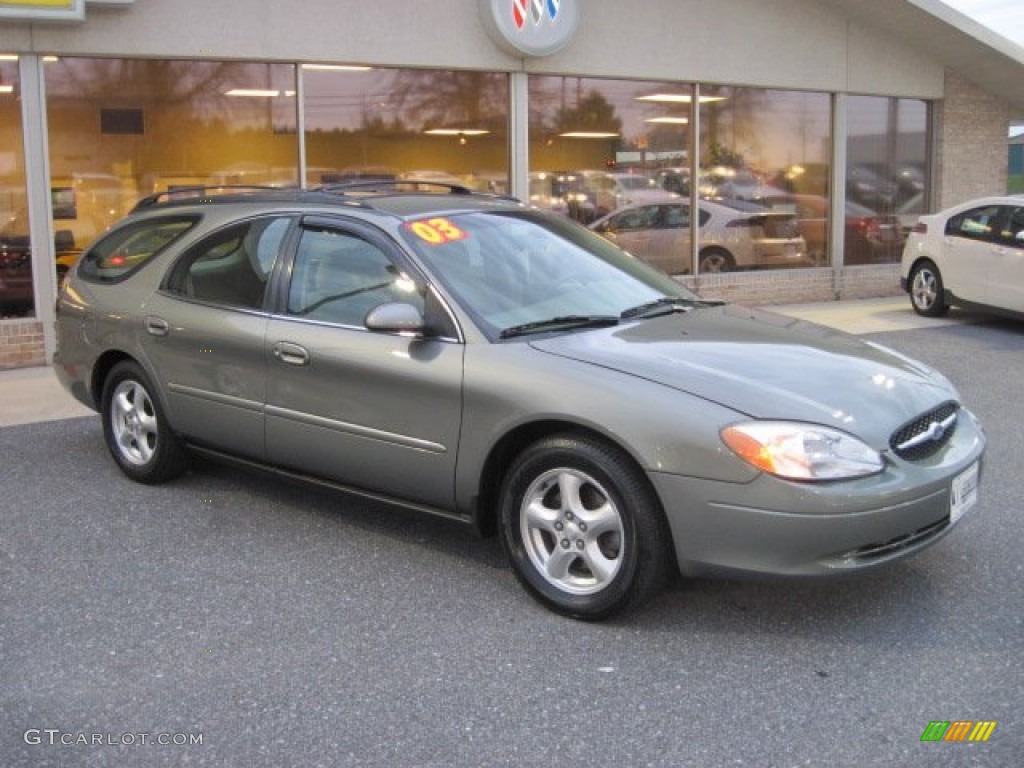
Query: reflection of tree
451	99
184	84
730	124
593	113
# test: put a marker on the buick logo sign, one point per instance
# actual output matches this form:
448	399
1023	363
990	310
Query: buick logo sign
530	27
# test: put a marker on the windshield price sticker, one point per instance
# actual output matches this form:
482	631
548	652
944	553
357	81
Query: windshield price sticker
436	231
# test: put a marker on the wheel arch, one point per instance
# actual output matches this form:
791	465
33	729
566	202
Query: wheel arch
486	504
106	362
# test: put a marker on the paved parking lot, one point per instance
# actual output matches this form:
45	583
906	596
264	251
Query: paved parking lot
288	627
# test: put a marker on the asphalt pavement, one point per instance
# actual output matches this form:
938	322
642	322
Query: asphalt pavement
282	626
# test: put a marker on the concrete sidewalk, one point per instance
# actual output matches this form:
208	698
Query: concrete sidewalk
30	395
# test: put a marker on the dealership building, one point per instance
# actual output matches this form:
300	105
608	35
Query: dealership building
854	116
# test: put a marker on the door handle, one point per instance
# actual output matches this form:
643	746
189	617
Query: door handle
157	326
290	353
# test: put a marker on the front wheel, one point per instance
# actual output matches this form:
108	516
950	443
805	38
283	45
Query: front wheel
927	294
582	527
135	429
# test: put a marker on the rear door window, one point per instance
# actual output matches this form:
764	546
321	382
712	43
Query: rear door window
231	266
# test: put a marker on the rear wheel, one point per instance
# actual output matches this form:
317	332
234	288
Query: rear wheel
582	527
135	429
716	260
927	294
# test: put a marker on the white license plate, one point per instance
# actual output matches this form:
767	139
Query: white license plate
964	493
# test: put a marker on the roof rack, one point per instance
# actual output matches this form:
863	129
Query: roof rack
204	190
392	185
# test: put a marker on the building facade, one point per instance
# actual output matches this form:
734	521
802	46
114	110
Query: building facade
828	112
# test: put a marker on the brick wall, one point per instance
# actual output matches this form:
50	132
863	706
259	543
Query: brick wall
973	126
21	344
793	286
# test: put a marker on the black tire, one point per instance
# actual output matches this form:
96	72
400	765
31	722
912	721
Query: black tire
136	431
716	260
927	293
600	543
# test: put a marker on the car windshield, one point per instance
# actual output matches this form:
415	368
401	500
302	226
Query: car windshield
514	269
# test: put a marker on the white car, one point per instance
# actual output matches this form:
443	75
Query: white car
968	255
737	235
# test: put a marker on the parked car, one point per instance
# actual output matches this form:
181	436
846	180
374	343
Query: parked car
16	295
611	191
562	192
469	356
870	237
733	236
732	184
969	255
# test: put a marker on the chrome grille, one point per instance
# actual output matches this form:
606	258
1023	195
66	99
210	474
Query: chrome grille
926	434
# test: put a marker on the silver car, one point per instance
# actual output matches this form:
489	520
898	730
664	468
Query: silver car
467	356
734	235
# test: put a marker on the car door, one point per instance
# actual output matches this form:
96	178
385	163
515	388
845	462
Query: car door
968	250
206	330
377	411
1006	289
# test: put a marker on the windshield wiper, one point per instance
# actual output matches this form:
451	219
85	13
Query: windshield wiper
666	305
565	322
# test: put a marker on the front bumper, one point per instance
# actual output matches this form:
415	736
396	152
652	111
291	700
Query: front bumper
772	526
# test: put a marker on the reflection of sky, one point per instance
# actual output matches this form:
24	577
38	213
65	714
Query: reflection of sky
343	100
1005	17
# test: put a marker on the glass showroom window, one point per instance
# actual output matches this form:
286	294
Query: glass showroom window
15	256
614	155
122	128
887	151
764	159
379	124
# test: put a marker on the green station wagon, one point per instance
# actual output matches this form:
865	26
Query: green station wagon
469	356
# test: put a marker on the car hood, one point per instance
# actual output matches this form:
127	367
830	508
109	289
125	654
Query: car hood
765	366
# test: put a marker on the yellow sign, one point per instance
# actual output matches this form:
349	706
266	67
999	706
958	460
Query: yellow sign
33	10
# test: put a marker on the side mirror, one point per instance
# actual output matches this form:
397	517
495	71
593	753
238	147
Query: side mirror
396	317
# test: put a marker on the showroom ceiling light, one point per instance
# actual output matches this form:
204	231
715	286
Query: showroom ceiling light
256	93
668	120
456	132
677	98
336	68
589	135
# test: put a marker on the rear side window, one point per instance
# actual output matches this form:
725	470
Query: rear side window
126	249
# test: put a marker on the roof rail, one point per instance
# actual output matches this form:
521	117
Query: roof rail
202	190
392	185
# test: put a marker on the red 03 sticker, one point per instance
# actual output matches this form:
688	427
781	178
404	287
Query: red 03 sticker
436	231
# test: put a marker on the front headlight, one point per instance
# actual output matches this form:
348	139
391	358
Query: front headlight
801	451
